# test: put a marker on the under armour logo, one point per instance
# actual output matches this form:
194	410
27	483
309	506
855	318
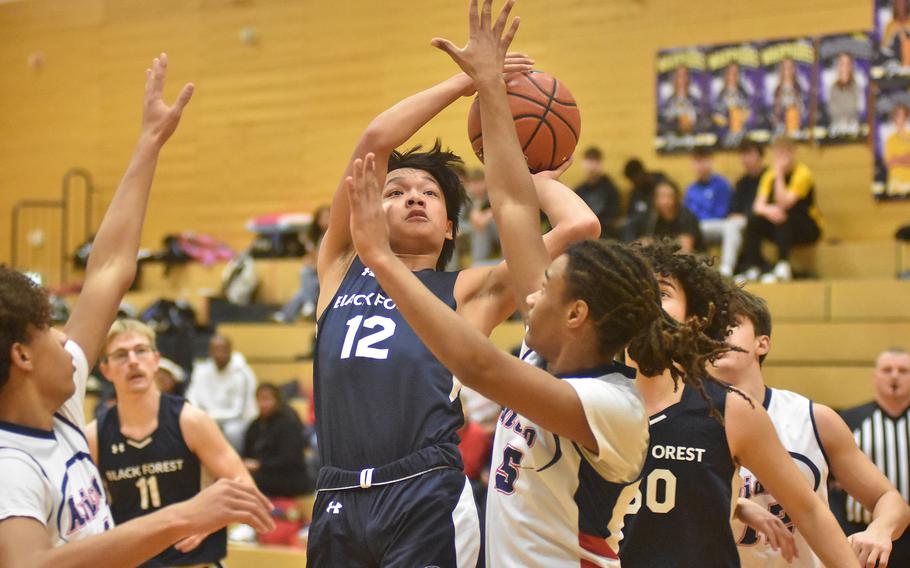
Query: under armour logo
367	272
334	508
118	448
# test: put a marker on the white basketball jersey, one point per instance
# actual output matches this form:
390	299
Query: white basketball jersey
553	503
50	476
793	418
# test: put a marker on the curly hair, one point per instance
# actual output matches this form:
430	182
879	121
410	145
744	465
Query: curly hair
440	164
708	305
23	304
623	298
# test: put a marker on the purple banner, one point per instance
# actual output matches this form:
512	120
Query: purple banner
892	38
683	121
736	100
788	66
892	141
843	88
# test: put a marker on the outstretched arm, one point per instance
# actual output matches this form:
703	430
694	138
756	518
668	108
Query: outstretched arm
465	351
112	263
24	541
861	479
516	196
754	444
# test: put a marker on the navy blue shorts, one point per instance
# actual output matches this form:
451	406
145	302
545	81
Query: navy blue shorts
420	520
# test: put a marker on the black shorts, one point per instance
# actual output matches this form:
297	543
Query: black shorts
425	519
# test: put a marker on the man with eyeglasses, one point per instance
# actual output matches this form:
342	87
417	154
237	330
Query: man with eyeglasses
151	447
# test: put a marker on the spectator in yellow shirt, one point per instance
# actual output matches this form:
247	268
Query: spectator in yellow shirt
784	212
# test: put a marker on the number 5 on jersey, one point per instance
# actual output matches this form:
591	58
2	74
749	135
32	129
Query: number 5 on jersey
365	344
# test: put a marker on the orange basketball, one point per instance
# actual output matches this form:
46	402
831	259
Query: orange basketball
546	119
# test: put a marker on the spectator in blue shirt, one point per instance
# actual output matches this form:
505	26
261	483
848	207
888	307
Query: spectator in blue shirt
709	199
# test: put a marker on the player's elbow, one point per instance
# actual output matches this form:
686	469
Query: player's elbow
378	137
586	226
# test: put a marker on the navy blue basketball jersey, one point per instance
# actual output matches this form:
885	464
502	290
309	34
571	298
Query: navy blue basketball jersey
380	394
143	476
681	515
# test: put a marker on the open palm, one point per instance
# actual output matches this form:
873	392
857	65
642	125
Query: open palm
159	120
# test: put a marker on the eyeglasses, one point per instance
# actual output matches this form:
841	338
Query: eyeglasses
121	356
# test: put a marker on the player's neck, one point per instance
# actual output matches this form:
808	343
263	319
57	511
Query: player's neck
24	407
416	262
751	382
578	355
659	392
139	411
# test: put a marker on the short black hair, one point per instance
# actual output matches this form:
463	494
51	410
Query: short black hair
751	146
593	153
632	168
755	309
438	163
702	152
23	305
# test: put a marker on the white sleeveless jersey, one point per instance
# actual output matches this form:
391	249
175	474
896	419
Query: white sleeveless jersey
50	476
794	420
553	503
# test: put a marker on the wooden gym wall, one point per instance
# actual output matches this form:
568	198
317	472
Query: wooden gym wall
273	121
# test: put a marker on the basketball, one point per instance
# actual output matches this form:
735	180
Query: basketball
546	118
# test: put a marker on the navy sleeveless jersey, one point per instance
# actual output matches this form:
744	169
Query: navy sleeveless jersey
681	515
143	476
380	394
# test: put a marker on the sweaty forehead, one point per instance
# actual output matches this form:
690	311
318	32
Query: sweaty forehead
408	176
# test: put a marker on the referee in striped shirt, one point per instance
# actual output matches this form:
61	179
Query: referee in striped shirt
882	431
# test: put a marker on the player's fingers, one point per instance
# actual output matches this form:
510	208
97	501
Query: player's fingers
883	557
486	14
148	81
246	503
254	491
863	555
160	74
473	17
447	46
503	17
184	97
772	539
788	546
357	174
507	39
370	168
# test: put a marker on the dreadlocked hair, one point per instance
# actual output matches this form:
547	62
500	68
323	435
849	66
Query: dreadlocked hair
708	310
441	164
623	298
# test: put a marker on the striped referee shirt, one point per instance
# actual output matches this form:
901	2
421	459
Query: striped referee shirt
885	440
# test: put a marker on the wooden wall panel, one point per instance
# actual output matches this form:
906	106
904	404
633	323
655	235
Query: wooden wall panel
272	124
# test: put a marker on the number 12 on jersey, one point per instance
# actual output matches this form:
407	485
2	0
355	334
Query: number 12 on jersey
365	344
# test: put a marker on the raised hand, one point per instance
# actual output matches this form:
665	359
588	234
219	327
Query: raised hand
483	57
514	63
369	228
159	120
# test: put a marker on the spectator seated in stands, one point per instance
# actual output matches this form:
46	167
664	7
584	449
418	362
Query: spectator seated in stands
641	196
170	377
751	156
669	219
304	301
708	198
224	387
600	193
274	445
784	212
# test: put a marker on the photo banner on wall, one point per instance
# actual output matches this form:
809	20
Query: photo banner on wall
736	100
892	40
842	83
788	78
682	94
892	141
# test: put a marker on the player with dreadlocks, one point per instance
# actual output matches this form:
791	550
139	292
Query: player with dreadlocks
699	438
572	438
